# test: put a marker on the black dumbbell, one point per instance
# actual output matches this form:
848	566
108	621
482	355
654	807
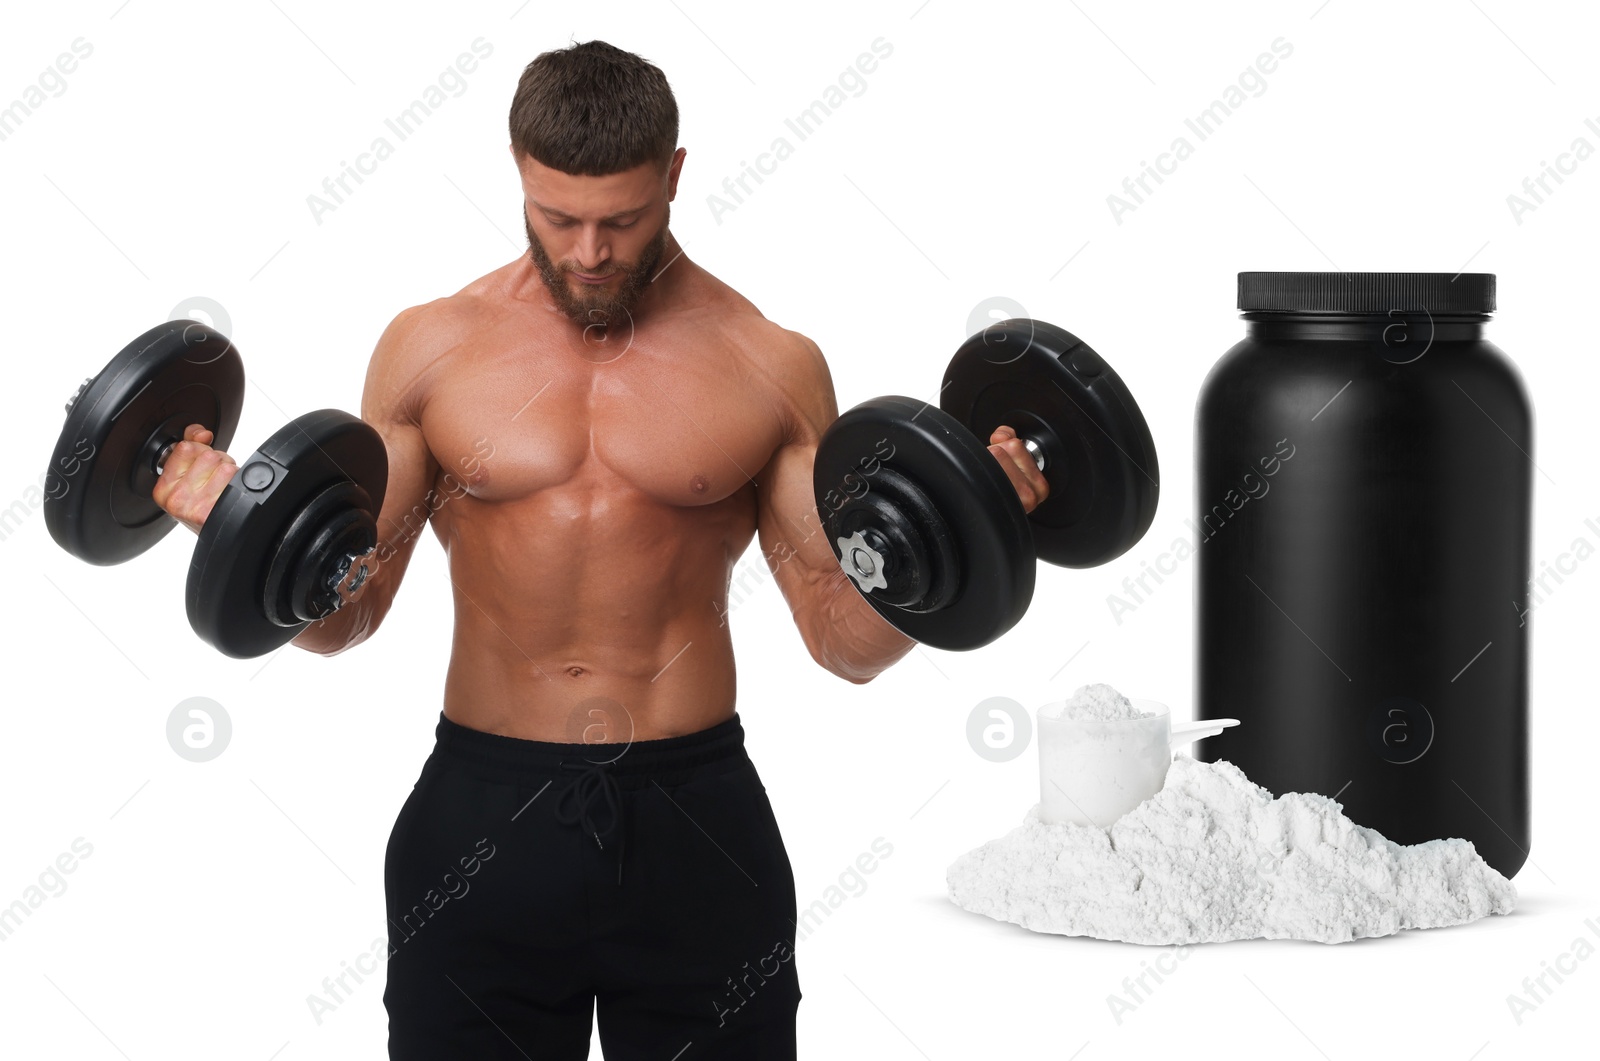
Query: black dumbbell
921	515
297	522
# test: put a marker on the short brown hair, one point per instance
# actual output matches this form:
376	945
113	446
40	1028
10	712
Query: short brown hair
593	109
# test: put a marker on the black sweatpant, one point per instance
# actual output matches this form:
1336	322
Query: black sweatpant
530	883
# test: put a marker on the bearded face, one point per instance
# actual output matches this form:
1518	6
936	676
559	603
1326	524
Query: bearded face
610	302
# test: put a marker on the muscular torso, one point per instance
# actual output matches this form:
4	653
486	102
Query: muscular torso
592	497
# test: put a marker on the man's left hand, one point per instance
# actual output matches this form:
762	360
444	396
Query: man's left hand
1018	463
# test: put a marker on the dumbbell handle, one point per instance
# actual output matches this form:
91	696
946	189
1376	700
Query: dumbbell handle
160	447
161	458
1035	451
163	450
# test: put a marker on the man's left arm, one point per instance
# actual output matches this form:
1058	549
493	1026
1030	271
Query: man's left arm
843	633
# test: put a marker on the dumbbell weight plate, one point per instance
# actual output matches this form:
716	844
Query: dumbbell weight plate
97	502
1100	460
256	538
974	502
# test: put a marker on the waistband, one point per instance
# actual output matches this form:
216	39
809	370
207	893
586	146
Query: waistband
640	758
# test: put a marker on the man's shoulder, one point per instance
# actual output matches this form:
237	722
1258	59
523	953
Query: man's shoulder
770	344
452	317
433	326
416	346
791	360
794	365
428	330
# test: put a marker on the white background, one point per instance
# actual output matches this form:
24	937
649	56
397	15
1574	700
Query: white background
976	163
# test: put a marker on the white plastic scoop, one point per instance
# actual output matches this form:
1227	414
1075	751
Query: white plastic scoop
1092	773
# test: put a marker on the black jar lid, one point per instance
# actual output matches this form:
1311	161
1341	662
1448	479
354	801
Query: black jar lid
1440	293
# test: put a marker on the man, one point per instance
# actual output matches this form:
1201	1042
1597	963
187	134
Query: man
595	432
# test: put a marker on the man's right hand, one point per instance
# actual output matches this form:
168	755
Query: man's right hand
192	478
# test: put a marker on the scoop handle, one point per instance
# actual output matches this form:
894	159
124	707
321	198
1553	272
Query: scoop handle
1189	732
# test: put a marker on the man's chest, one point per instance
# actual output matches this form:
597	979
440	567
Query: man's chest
684	426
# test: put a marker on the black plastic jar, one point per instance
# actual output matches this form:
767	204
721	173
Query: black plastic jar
1364	477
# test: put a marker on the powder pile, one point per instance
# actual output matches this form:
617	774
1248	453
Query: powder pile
1214	857
1094	703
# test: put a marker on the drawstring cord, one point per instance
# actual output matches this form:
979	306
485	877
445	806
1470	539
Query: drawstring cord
574	803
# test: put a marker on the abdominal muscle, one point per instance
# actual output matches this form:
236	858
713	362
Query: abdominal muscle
591	614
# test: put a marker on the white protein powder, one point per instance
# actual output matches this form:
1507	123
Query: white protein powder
1214	857
1094	703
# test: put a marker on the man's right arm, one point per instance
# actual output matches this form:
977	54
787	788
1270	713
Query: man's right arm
405	351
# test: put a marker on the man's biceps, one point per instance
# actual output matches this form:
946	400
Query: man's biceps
412	470
789	517
803	549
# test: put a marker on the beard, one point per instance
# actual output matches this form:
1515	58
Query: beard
602	307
